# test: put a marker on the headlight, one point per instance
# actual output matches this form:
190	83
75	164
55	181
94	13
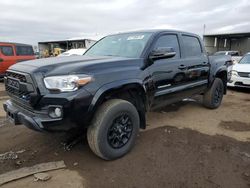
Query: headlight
66	83
234	73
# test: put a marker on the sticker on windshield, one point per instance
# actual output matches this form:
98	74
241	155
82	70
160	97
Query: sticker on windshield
135	37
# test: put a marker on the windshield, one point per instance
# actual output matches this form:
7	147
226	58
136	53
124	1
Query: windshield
122	45
245	60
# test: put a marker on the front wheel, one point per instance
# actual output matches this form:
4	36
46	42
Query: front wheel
113	130
213	97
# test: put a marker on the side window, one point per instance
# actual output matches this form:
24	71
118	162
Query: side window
24	50
192	46
7	50
169	41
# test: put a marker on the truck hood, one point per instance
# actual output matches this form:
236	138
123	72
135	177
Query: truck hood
73	64
241	68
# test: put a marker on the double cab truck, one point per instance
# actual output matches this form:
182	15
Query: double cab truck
106	92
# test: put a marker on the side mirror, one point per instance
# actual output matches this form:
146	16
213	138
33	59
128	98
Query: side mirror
162	53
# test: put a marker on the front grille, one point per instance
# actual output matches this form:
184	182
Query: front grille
24	95
17	76
244	74
25	87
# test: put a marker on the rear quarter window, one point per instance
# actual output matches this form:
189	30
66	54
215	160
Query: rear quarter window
192	46
24	50
7	50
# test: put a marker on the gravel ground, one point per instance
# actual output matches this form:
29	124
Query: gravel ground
185	145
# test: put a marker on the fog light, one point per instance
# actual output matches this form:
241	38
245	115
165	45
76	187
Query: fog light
58	112
55	112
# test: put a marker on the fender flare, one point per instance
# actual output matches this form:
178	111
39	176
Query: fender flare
216	72
221	69
113	85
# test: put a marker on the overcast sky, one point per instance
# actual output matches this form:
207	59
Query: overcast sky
30	21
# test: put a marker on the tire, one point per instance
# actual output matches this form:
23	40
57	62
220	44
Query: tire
113	130
213	97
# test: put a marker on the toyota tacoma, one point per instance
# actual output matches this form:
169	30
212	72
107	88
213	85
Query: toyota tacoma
107	91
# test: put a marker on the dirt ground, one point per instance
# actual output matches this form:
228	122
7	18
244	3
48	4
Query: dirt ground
185	145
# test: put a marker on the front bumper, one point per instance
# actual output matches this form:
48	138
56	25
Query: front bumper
237	81
74	106
31	106
38	121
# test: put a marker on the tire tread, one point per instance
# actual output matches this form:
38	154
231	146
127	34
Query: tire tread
207	98
93	130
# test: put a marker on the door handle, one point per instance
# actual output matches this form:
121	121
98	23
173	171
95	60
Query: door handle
181	67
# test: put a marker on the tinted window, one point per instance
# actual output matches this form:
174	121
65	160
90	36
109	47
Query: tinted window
192	46
168	41
7	50
24	50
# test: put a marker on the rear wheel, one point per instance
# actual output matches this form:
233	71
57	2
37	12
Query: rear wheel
113	130
213	97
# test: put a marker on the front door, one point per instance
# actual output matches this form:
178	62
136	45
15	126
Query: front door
166	74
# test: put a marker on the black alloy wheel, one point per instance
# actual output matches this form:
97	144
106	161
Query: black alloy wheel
120	131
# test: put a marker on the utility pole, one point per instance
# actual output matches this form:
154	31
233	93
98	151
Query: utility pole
204	30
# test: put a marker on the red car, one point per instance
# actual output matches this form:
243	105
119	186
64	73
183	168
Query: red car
11	53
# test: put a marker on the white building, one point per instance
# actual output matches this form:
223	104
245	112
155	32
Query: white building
64	45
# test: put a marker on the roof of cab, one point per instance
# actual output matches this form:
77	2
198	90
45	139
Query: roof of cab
156	31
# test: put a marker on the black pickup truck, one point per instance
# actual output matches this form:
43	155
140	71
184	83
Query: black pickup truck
108	90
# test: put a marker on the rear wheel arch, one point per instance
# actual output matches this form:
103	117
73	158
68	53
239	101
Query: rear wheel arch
223	76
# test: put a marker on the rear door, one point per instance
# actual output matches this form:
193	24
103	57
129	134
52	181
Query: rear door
196	65
7	57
